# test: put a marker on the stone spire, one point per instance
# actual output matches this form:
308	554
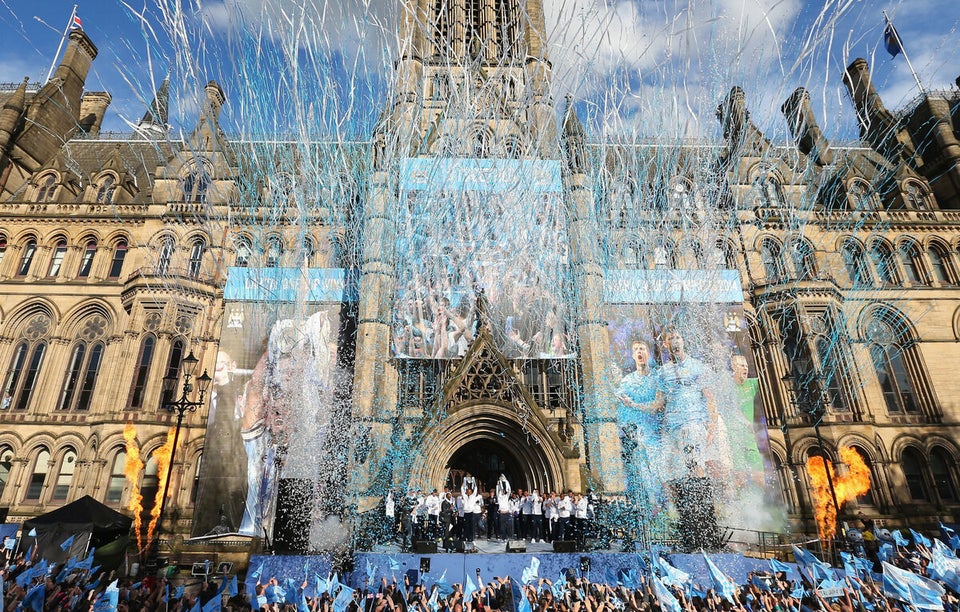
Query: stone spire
154	123
805	129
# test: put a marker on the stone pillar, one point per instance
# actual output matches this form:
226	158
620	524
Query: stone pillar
600	429
374	397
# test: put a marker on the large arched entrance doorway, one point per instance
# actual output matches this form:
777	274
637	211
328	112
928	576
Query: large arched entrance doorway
486	459
486	439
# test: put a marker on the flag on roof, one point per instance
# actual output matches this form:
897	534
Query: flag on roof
76	24
891	40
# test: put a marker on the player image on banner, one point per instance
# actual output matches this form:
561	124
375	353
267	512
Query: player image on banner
692	434
503	232
270	408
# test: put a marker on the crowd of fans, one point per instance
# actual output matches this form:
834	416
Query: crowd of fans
77	587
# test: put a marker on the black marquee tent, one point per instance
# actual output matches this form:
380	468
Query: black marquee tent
87	520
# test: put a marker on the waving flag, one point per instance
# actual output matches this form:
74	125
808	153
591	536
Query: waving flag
909	587
891	40
919	538
722	584
900	539
671	575
469	588
66	544
817	569
108	600
531	572
668	603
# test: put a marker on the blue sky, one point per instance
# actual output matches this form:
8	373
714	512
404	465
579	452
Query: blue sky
637	67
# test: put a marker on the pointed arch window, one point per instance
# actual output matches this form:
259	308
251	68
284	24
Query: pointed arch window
274	252
106	188
506	27
165	256
804	262
41	467
22	375
856	265
941	265
81	376
832	371
195	489
173	369
916	196
68	465
859	195
910	258
26	259
913	465
86	262
196	257
195	184
56	262
771	257
6	462
943	469
769	192
118	478
3	246
47	187
243	251
884	263
116	263
141	373
889	349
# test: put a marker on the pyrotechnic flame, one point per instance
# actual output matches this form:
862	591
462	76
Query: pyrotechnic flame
131	470
162	455
854	483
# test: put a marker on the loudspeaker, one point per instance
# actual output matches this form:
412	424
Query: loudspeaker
291	528
565	546
425	547
516	546
464	547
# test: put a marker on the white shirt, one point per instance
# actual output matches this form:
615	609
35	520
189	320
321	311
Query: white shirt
550	508
581	512
391	505
472	504
526	505
433	504
565	507
536	504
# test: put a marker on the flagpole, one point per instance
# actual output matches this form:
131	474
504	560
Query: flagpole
903	50
60	46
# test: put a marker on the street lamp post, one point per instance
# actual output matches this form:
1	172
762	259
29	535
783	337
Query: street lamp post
810	401
181	405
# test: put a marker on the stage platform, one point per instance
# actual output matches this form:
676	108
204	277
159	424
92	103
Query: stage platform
452	568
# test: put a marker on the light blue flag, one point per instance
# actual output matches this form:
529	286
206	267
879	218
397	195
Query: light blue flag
232	588
107	602
469	588
668	603
442	586
532	572
629	578
166	593
344	597
371	573
909	587
899	538
945	550
919	538
849	565
196	605
558	586
32	533
817	569
255	574
798	592
722	584
779	566
213	605
759	583
944	566
827	585
35	598
178	594
520	601
66	544
671	575
885	551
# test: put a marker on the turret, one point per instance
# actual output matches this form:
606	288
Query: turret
804	128
574	141
877	125
11	114
742	136
93	106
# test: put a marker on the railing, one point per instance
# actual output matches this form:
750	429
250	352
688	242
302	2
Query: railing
170	275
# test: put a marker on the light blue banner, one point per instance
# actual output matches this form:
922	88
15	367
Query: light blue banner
672	287
486	175
286	285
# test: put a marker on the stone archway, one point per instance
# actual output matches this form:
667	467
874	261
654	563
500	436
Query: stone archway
487	430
